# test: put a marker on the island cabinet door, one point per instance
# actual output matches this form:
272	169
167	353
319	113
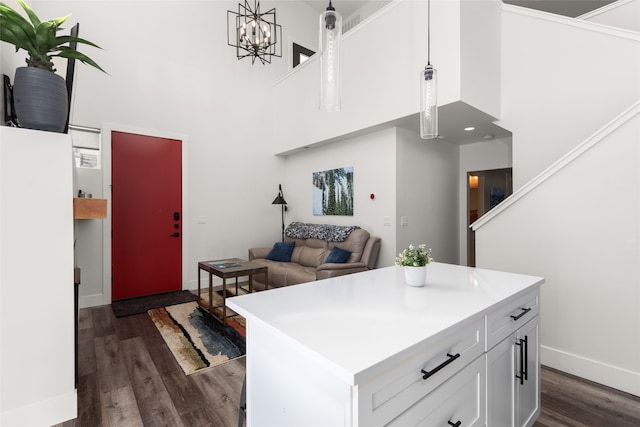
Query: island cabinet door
513	383
460	401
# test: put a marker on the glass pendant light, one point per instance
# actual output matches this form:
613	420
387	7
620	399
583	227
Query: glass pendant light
330	46
428	91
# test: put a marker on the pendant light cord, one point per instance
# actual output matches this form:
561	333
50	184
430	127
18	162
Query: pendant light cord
429	32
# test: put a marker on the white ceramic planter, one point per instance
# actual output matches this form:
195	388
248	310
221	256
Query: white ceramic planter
415	276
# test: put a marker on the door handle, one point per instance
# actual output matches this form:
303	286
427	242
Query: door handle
176	234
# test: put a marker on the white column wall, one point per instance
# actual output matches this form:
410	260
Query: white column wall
426	193
37	378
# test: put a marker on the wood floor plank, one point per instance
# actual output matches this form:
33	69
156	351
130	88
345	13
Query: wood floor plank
221	386
103	321
89	406
112	372
154	402
86	352
120	408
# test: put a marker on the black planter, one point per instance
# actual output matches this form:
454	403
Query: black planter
41	100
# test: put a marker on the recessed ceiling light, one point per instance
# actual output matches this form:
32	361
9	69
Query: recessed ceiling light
488	136
470	128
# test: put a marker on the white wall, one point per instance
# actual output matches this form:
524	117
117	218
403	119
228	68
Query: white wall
562	79
426	193
373	159
485	155
579	229
623	14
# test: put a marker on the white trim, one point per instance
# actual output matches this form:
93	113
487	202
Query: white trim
627	115
603	9
43	413
573	22
107	128
611	376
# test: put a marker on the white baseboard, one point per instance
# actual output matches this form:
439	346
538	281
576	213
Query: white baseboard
92	301
44	413
602	373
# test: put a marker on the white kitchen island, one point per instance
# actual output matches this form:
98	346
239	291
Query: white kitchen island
368	350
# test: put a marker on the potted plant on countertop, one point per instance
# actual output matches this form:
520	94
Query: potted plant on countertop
414	259
40	96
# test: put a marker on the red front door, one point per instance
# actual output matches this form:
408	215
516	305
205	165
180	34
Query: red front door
146	215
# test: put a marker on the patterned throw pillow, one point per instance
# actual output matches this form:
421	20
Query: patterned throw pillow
281	251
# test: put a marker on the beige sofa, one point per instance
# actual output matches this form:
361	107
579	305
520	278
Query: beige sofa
307	261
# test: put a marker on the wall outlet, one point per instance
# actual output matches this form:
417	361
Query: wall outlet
404	221
201	219
387	220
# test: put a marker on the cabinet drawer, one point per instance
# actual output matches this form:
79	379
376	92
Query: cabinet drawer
504	321
460	399
390	394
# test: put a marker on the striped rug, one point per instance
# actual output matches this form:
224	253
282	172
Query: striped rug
196	340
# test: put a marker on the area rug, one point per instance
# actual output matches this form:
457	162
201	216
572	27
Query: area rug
139	305
196	339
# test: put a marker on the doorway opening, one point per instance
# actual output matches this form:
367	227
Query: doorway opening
485	190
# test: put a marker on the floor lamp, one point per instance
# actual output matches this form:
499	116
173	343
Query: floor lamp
279	200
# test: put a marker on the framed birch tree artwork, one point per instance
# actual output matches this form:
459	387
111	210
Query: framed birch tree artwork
333	192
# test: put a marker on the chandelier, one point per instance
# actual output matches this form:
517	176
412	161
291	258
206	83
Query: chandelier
256	34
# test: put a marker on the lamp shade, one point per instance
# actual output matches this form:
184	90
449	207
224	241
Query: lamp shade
428	103
279	200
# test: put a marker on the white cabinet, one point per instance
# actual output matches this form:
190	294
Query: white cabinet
513	378
367	350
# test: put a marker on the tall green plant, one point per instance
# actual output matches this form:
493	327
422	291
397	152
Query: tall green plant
39	38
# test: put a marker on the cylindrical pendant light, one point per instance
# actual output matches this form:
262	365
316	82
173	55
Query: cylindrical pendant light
330	48
428	91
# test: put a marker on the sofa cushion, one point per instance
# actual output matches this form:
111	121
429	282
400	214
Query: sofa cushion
281	251
337	255
355	244
311	257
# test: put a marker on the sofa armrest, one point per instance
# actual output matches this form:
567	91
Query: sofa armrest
255	253
324	271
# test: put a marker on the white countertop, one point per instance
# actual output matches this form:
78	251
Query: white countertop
352	323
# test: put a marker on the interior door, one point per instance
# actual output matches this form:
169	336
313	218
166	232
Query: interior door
146	206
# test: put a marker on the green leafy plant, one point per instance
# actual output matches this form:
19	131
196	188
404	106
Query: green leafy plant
39	38
414	256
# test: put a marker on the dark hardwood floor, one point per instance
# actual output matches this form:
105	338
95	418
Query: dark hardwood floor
128	377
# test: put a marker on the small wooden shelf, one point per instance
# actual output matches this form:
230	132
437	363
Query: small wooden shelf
89	208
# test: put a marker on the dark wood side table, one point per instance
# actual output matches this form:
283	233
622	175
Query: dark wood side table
227	269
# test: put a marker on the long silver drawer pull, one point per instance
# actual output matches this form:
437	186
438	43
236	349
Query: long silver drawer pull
451	358
454	424
524	311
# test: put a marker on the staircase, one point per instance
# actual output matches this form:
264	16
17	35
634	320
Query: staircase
570	95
